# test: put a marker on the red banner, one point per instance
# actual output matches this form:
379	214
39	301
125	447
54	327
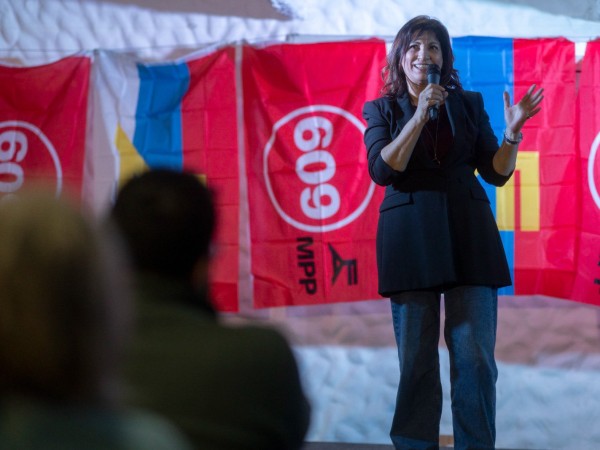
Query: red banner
210	148
546	180
181	115
587	284
42	125
313	207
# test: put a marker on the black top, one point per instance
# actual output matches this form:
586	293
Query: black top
436	138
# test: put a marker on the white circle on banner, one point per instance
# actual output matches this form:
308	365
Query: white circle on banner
16	133
591	164
321	156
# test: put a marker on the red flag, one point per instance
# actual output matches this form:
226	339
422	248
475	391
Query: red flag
180	115
547	177
313	207
42	125
209	130
587	283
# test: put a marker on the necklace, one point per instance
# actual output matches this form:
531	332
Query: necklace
434	141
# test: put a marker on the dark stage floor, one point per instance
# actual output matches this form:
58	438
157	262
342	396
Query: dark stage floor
347	446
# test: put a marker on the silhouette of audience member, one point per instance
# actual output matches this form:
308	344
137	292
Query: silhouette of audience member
64	321
227	387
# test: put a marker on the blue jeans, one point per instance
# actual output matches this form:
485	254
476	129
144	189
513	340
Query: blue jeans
470	334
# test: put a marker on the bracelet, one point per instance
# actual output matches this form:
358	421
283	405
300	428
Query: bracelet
513	141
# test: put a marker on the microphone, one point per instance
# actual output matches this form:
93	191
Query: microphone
433	76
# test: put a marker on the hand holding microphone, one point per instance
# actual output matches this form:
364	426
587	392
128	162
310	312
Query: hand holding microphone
433	77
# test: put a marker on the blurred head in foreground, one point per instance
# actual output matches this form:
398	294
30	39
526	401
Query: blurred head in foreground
167	219
64	303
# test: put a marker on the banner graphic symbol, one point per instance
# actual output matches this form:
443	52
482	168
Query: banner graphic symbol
339	264
43	124
319	199
15	138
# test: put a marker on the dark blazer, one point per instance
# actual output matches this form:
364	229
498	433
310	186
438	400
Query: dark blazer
436	227
226	387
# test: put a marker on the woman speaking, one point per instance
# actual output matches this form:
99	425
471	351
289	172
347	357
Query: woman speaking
425	138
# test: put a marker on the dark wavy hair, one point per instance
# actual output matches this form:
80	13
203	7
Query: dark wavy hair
394	78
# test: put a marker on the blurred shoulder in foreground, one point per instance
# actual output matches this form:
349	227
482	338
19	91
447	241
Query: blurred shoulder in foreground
226	387
64	322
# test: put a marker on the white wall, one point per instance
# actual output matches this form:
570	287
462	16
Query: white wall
41	30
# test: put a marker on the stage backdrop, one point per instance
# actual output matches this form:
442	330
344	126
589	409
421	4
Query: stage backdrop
281	124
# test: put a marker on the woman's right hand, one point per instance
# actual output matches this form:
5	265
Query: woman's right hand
433	94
